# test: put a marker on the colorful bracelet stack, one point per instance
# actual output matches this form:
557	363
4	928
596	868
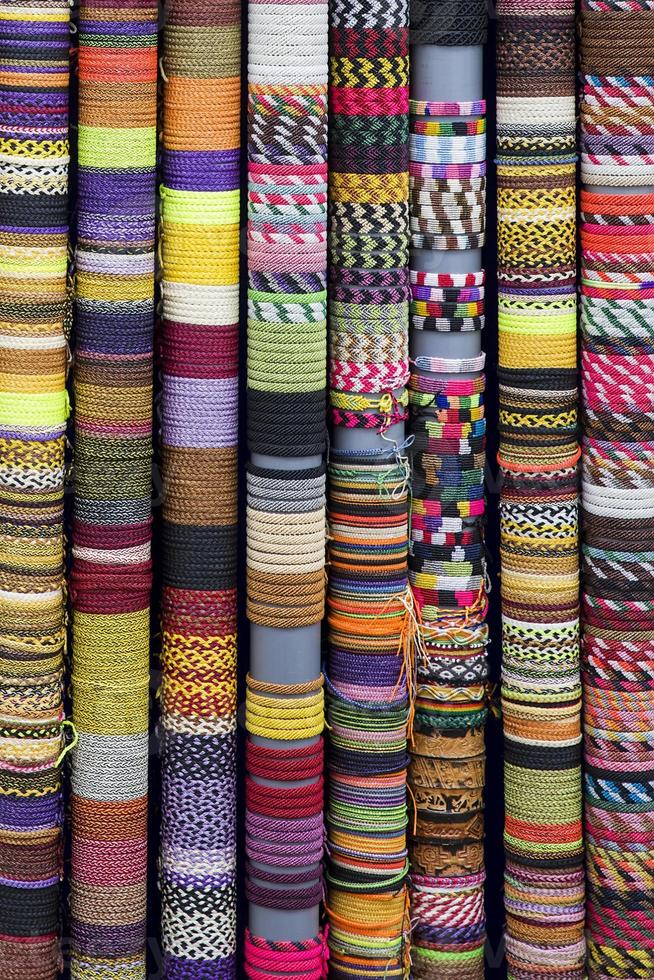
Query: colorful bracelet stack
367	715
111	576
34	41
286	545
447	565
262	958
541	691
199	432
287	227
286	383
287	308
368	637
448	168
368	337
447	302
284	823
617	306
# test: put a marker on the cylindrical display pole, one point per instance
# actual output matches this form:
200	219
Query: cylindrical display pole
369	642
199	407
286	384
111	576
34	42
447	568
617	320
541	688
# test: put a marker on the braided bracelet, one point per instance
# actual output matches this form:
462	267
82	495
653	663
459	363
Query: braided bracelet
446	325
284	718
447	279
448	242
447	171
443	365
419	107
361	403
437	127
267	687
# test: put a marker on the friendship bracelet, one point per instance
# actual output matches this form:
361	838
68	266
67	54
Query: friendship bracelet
287	689
462	170
361	403
425	108
442	365
447	280
284	718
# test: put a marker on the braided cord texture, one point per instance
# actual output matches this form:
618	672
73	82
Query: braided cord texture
200	201
451	23
617	317
286	382
368	181
447	564
111	574
367	713
368	370
287	309
34	158
541	689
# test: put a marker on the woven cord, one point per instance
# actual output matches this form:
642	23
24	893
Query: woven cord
541	689
367	703
286	383
34	313
199	331
111	574
447	564
617	140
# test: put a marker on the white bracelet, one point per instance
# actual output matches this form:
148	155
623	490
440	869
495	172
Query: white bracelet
444	365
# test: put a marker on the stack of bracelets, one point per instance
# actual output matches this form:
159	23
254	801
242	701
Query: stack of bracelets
367	598
34	41
541	691
447	568
368	191
287	309
110	580
284	796
286	384
199	407
617	313
367	715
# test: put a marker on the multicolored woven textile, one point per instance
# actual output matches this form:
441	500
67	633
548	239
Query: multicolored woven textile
447	564
367	597
34	42
199	432
617	314
369	647
541	690
287	227
286	380
287	308
369	186
111	575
